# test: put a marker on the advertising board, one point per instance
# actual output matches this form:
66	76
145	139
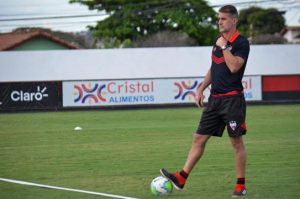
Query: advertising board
29	95
144	91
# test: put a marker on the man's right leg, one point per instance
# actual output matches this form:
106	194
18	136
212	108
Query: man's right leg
178	179
196	151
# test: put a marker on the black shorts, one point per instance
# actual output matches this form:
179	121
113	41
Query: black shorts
224	111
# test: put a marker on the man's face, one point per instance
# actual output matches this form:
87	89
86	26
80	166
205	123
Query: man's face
226	22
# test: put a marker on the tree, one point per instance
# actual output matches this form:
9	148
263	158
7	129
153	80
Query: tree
255	21
134	19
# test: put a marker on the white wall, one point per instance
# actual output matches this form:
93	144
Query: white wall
137	63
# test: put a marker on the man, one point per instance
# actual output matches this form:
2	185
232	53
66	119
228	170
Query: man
226	104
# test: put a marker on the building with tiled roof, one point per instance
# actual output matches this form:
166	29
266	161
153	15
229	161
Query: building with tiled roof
35	39
291	34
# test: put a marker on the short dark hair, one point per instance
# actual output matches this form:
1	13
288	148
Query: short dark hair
229	9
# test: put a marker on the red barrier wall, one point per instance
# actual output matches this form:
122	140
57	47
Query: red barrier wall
283	87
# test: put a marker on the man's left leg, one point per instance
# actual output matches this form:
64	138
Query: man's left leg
240	163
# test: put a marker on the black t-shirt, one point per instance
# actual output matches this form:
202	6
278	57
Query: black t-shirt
223	80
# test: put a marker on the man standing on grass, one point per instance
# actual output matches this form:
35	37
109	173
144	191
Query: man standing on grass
226	104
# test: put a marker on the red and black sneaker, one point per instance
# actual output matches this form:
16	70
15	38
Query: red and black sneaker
240	190
176	179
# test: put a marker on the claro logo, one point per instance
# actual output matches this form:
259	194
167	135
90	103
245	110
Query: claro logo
29	96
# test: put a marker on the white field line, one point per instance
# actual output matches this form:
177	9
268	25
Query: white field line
64	189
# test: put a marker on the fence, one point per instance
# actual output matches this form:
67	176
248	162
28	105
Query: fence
52	80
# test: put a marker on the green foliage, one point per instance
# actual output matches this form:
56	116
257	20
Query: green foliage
258	21
134	19
115	42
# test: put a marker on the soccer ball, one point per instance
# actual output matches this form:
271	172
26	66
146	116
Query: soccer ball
160	186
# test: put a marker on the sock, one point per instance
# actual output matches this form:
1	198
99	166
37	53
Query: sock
240	184
240	181
184	174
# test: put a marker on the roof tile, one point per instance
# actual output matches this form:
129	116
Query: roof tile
14	39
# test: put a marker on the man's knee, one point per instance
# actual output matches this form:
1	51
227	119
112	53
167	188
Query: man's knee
200	140
237	143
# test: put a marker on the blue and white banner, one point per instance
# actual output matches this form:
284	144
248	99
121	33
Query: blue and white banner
144	91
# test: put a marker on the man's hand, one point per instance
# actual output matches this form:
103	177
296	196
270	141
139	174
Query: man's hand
199	99
234	63
221	41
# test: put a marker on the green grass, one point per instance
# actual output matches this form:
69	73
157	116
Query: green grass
120	152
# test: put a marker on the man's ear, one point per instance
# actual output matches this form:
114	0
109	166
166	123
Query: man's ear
235	20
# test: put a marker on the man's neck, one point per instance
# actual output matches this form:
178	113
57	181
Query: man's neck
227	35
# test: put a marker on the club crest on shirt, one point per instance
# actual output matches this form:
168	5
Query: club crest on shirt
232	125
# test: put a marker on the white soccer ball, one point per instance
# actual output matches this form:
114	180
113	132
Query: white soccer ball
77	128
161	186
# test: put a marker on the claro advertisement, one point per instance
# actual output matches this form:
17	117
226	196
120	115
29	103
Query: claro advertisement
144	91
28	96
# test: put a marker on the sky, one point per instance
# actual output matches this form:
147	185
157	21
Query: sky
20	9
10	10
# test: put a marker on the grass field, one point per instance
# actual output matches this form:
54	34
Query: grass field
120	152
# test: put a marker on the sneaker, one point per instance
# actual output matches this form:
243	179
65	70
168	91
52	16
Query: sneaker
175	178
240	190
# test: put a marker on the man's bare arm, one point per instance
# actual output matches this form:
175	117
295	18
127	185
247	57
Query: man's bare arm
199	94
